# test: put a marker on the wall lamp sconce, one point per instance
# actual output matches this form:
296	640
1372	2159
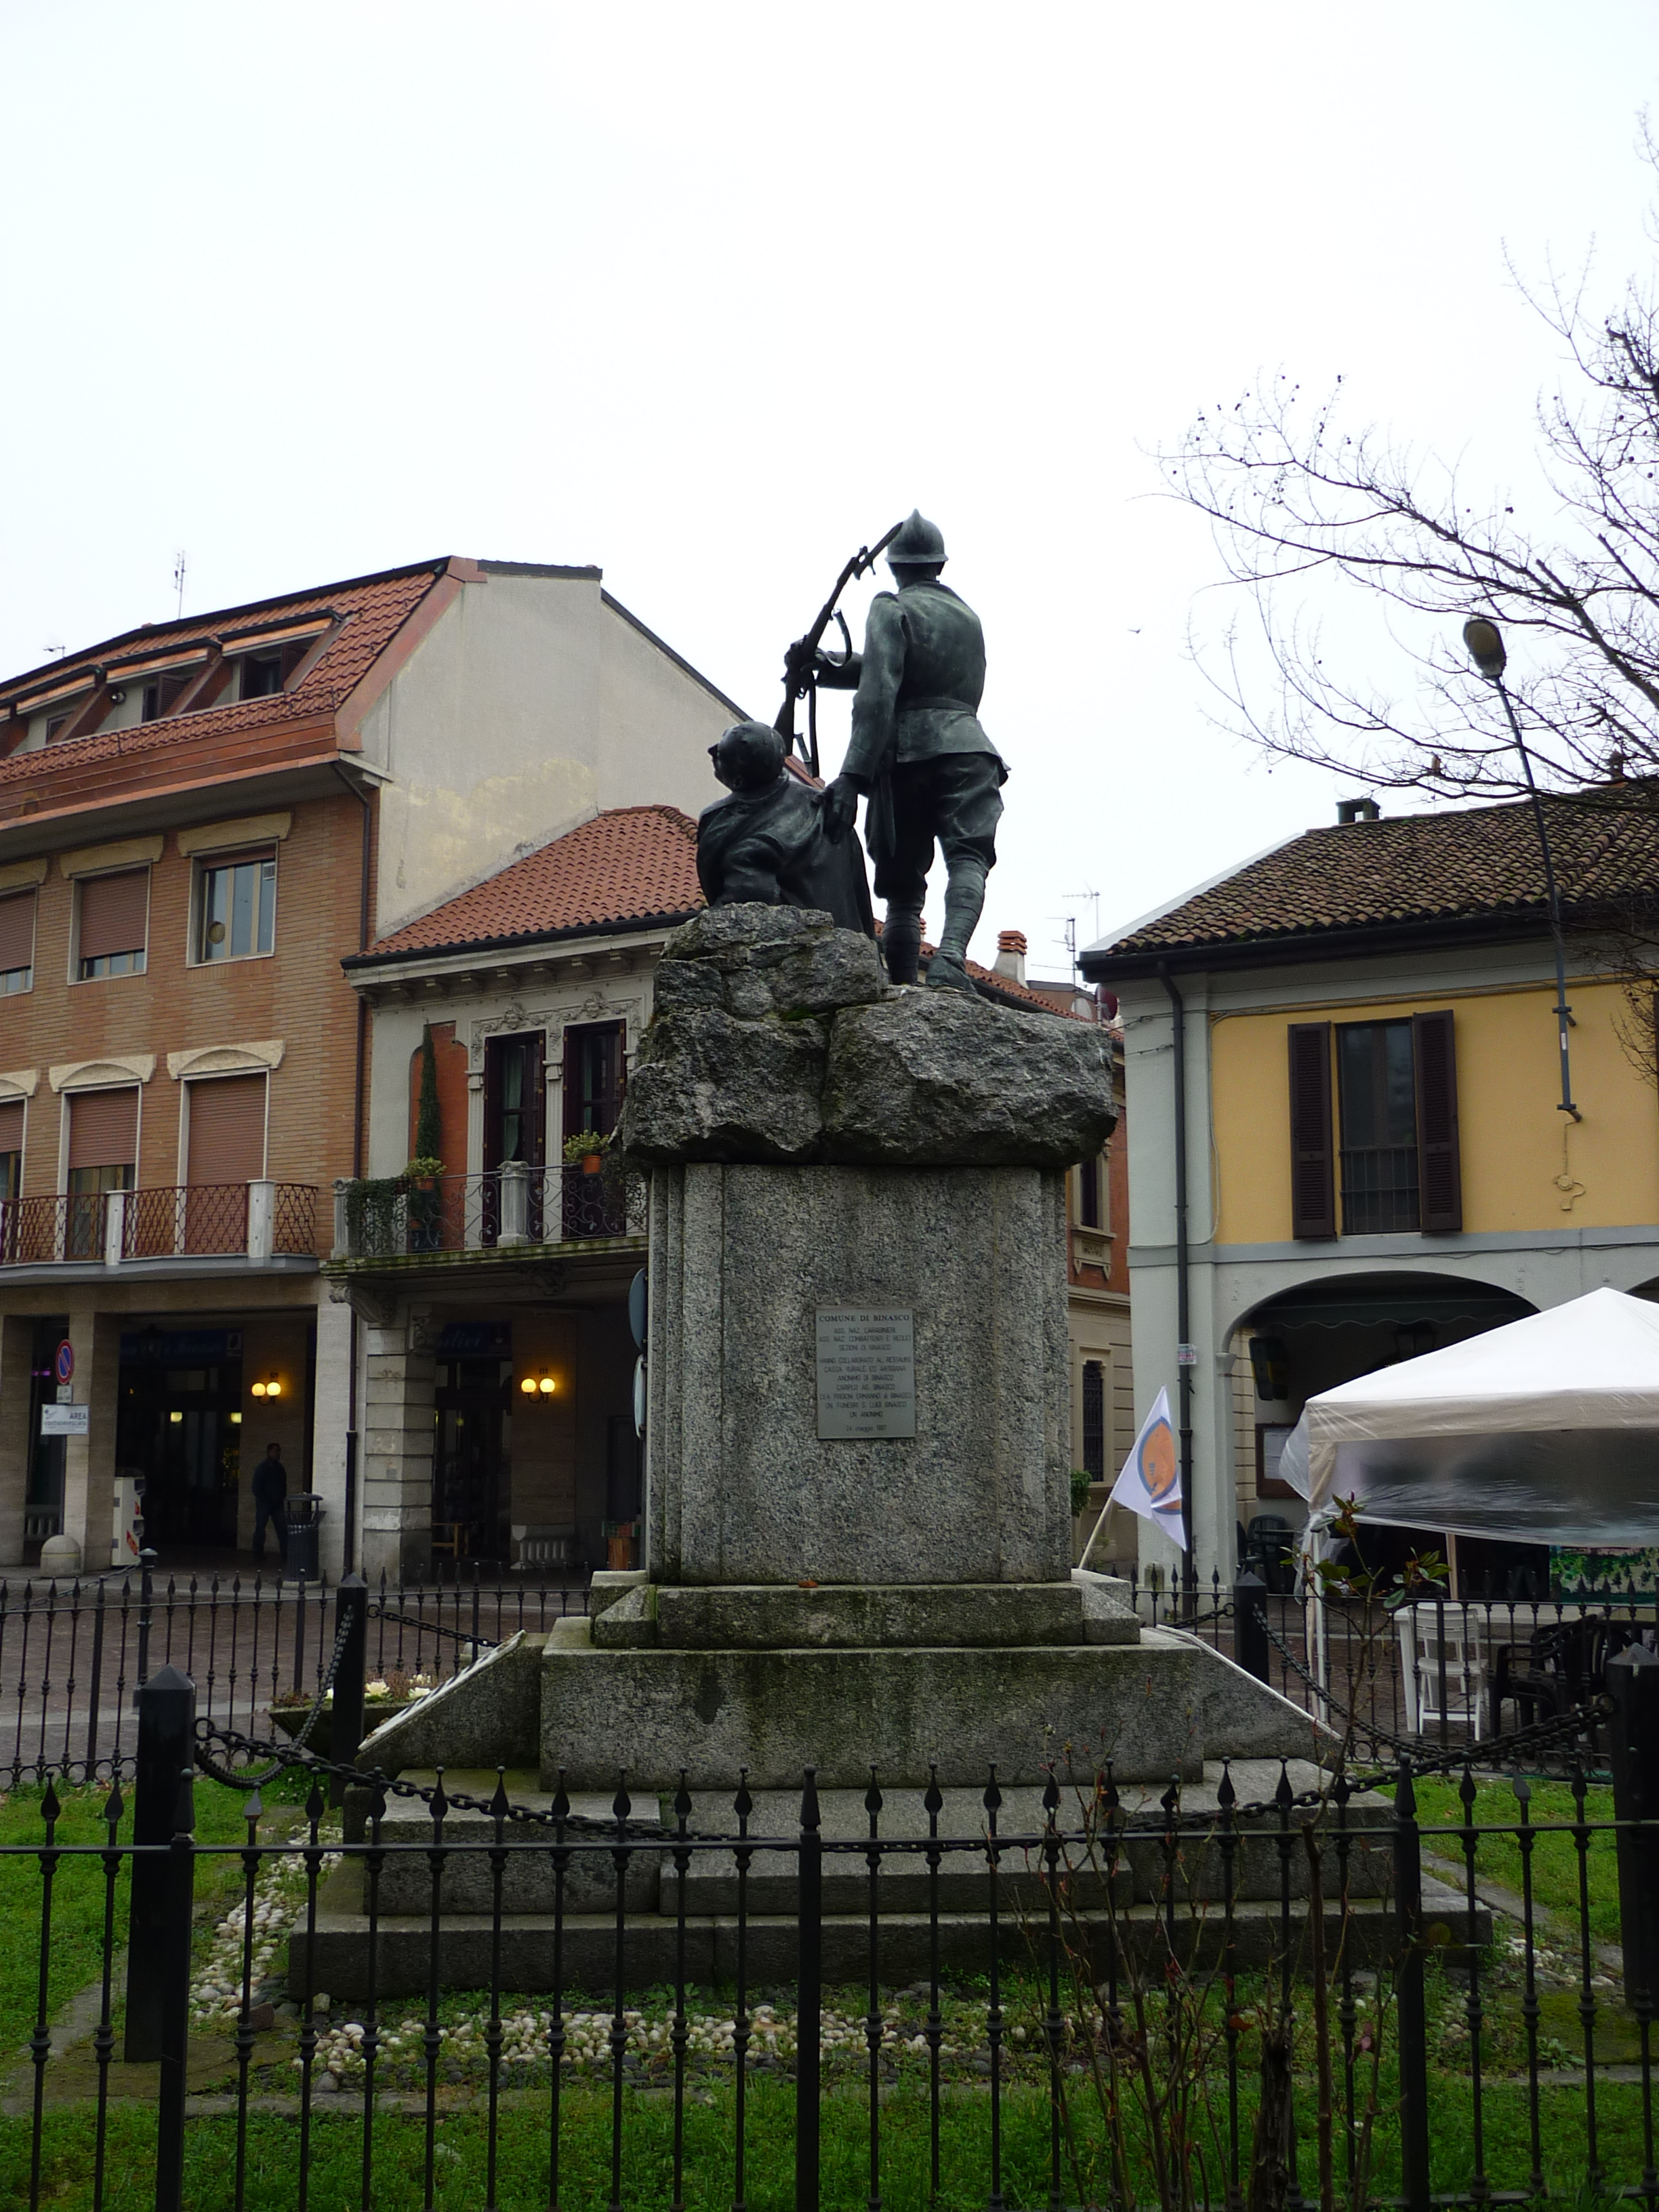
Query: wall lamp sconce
542	1386
273	1389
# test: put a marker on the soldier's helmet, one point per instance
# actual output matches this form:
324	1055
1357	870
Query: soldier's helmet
919	544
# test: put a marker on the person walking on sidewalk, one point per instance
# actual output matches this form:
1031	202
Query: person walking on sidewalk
269	1489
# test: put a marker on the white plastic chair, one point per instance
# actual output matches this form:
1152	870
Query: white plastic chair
1426	1630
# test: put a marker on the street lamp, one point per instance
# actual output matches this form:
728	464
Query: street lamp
1484	641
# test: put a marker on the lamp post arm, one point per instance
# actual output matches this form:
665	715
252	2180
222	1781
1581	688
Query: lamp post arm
1563	1011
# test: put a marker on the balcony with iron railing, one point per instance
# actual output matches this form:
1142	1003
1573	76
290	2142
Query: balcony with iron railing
258	1221
404	1218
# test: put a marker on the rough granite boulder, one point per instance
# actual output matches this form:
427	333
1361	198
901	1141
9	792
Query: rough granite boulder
934	1079
776	1037
709	1087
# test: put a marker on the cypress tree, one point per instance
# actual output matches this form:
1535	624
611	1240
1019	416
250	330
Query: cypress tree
428	1122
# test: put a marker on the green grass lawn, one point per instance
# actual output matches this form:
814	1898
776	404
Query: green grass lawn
1554	1854
334	2171
75	1953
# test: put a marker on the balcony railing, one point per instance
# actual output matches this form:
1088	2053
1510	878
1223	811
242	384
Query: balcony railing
396	1219
259	1219
1379	1190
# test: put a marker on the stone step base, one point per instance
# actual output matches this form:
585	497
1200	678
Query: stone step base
581	1955
528	1877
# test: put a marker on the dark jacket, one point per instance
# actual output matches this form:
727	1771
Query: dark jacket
270	1482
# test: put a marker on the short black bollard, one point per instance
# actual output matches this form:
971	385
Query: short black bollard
1250	1625
166	1746
1633	1686
346	1720
179	1868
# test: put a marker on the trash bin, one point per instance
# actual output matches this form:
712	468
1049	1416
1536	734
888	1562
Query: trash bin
303	1510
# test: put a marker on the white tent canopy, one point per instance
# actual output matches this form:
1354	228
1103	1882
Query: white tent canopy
1546	1431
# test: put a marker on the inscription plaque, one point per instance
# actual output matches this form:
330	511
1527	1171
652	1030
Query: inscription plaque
866	1371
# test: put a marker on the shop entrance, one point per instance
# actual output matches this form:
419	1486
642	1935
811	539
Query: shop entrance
472	1448
180	1425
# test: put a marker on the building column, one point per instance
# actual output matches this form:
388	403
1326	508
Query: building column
16	1445
330	1421
399	1401
89	1461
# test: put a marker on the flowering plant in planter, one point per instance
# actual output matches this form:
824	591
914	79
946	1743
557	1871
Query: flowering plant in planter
585	1150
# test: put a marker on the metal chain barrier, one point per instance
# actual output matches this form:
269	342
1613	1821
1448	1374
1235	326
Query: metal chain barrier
296	1745
295	1753
373	1612
1564	1727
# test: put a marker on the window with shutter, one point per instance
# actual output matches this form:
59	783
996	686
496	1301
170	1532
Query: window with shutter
1440	1176
103	1130
1313	1184
1378	1111
226	1130
11	1148
1094	1419
17	942
114	912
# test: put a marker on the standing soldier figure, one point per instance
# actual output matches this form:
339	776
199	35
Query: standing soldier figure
920	756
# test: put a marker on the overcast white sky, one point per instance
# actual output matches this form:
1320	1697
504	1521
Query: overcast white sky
709	296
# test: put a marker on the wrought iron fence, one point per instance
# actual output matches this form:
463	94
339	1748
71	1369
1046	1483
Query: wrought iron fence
398	1218
293	1221
205	1218
1433	1673
36	1231
1373	1989
73	1653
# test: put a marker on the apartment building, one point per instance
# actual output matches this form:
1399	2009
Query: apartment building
199	821
1367	1117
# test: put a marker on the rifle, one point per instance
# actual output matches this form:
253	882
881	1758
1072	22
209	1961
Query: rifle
799	662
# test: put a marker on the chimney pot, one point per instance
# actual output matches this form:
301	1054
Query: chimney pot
1010	954
1357	809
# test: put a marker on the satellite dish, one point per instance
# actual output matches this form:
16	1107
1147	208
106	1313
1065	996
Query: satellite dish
637	1309
639	1397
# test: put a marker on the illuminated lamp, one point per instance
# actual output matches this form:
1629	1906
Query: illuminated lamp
528	1386
273	1389
175	1417
548	1386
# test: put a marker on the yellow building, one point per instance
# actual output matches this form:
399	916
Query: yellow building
1376	1157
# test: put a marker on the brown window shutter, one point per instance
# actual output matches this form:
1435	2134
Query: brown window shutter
112	912
11	1126
1313	1184
17	931
104	1128
1439	1173
227	1129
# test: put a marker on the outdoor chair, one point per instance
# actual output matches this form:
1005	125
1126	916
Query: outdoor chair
1435	1636
539	1547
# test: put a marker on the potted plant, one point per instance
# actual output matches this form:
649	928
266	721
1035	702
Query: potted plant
585	1151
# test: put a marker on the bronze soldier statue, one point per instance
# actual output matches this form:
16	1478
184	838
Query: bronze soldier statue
919	755
769	841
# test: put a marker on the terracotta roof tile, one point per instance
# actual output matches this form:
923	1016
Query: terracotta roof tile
372	610
1459	865
631	863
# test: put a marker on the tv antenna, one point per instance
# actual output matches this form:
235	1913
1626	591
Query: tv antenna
179	578
1094	895
1068	936
60	650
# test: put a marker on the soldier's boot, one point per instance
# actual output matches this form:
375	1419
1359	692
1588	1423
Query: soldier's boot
900	943
965	899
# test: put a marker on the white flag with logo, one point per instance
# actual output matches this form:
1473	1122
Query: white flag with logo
1150	1484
